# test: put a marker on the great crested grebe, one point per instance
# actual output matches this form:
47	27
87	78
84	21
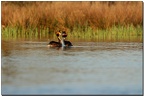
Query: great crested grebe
61	42
54	43
66	43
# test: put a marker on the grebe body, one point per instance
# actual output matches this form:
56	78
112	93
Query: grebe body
54	44
58	44
68	43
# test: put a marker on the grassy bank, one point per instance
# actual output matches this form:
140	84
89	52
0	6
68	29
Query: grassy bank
85	20
114	34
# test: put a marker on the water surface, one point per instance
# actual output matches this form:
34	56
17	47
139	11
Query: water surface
86	68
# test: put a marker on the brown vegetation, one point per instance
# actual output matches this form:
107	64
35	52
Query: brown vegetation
67	15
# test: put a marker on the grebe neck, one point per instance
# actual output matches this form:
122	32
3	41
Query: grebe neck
62	42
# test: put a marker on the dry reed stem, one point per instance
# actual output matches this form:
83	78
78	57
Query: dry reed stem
67	15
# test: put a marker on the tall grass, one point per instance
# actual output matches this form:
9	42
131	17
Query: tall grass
115	33
36	19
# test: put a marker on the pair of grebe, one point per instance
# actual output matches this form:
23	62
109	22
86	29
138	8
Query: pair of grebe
61	42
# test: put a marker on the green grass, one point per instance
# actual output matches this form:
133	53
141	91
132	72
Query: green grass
113	34
10	33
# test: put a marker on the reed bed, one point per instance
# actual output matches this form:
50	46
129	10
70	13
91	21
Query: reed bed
90	20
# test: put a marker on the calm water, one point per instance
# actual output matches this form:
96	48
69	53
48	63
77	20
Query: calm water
86	68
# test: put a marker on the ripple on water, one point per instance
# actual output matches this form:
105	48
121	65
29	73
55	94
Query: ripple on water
87	67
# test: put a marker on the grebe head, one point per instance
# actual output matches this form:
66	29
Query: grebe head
64	34
58	34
